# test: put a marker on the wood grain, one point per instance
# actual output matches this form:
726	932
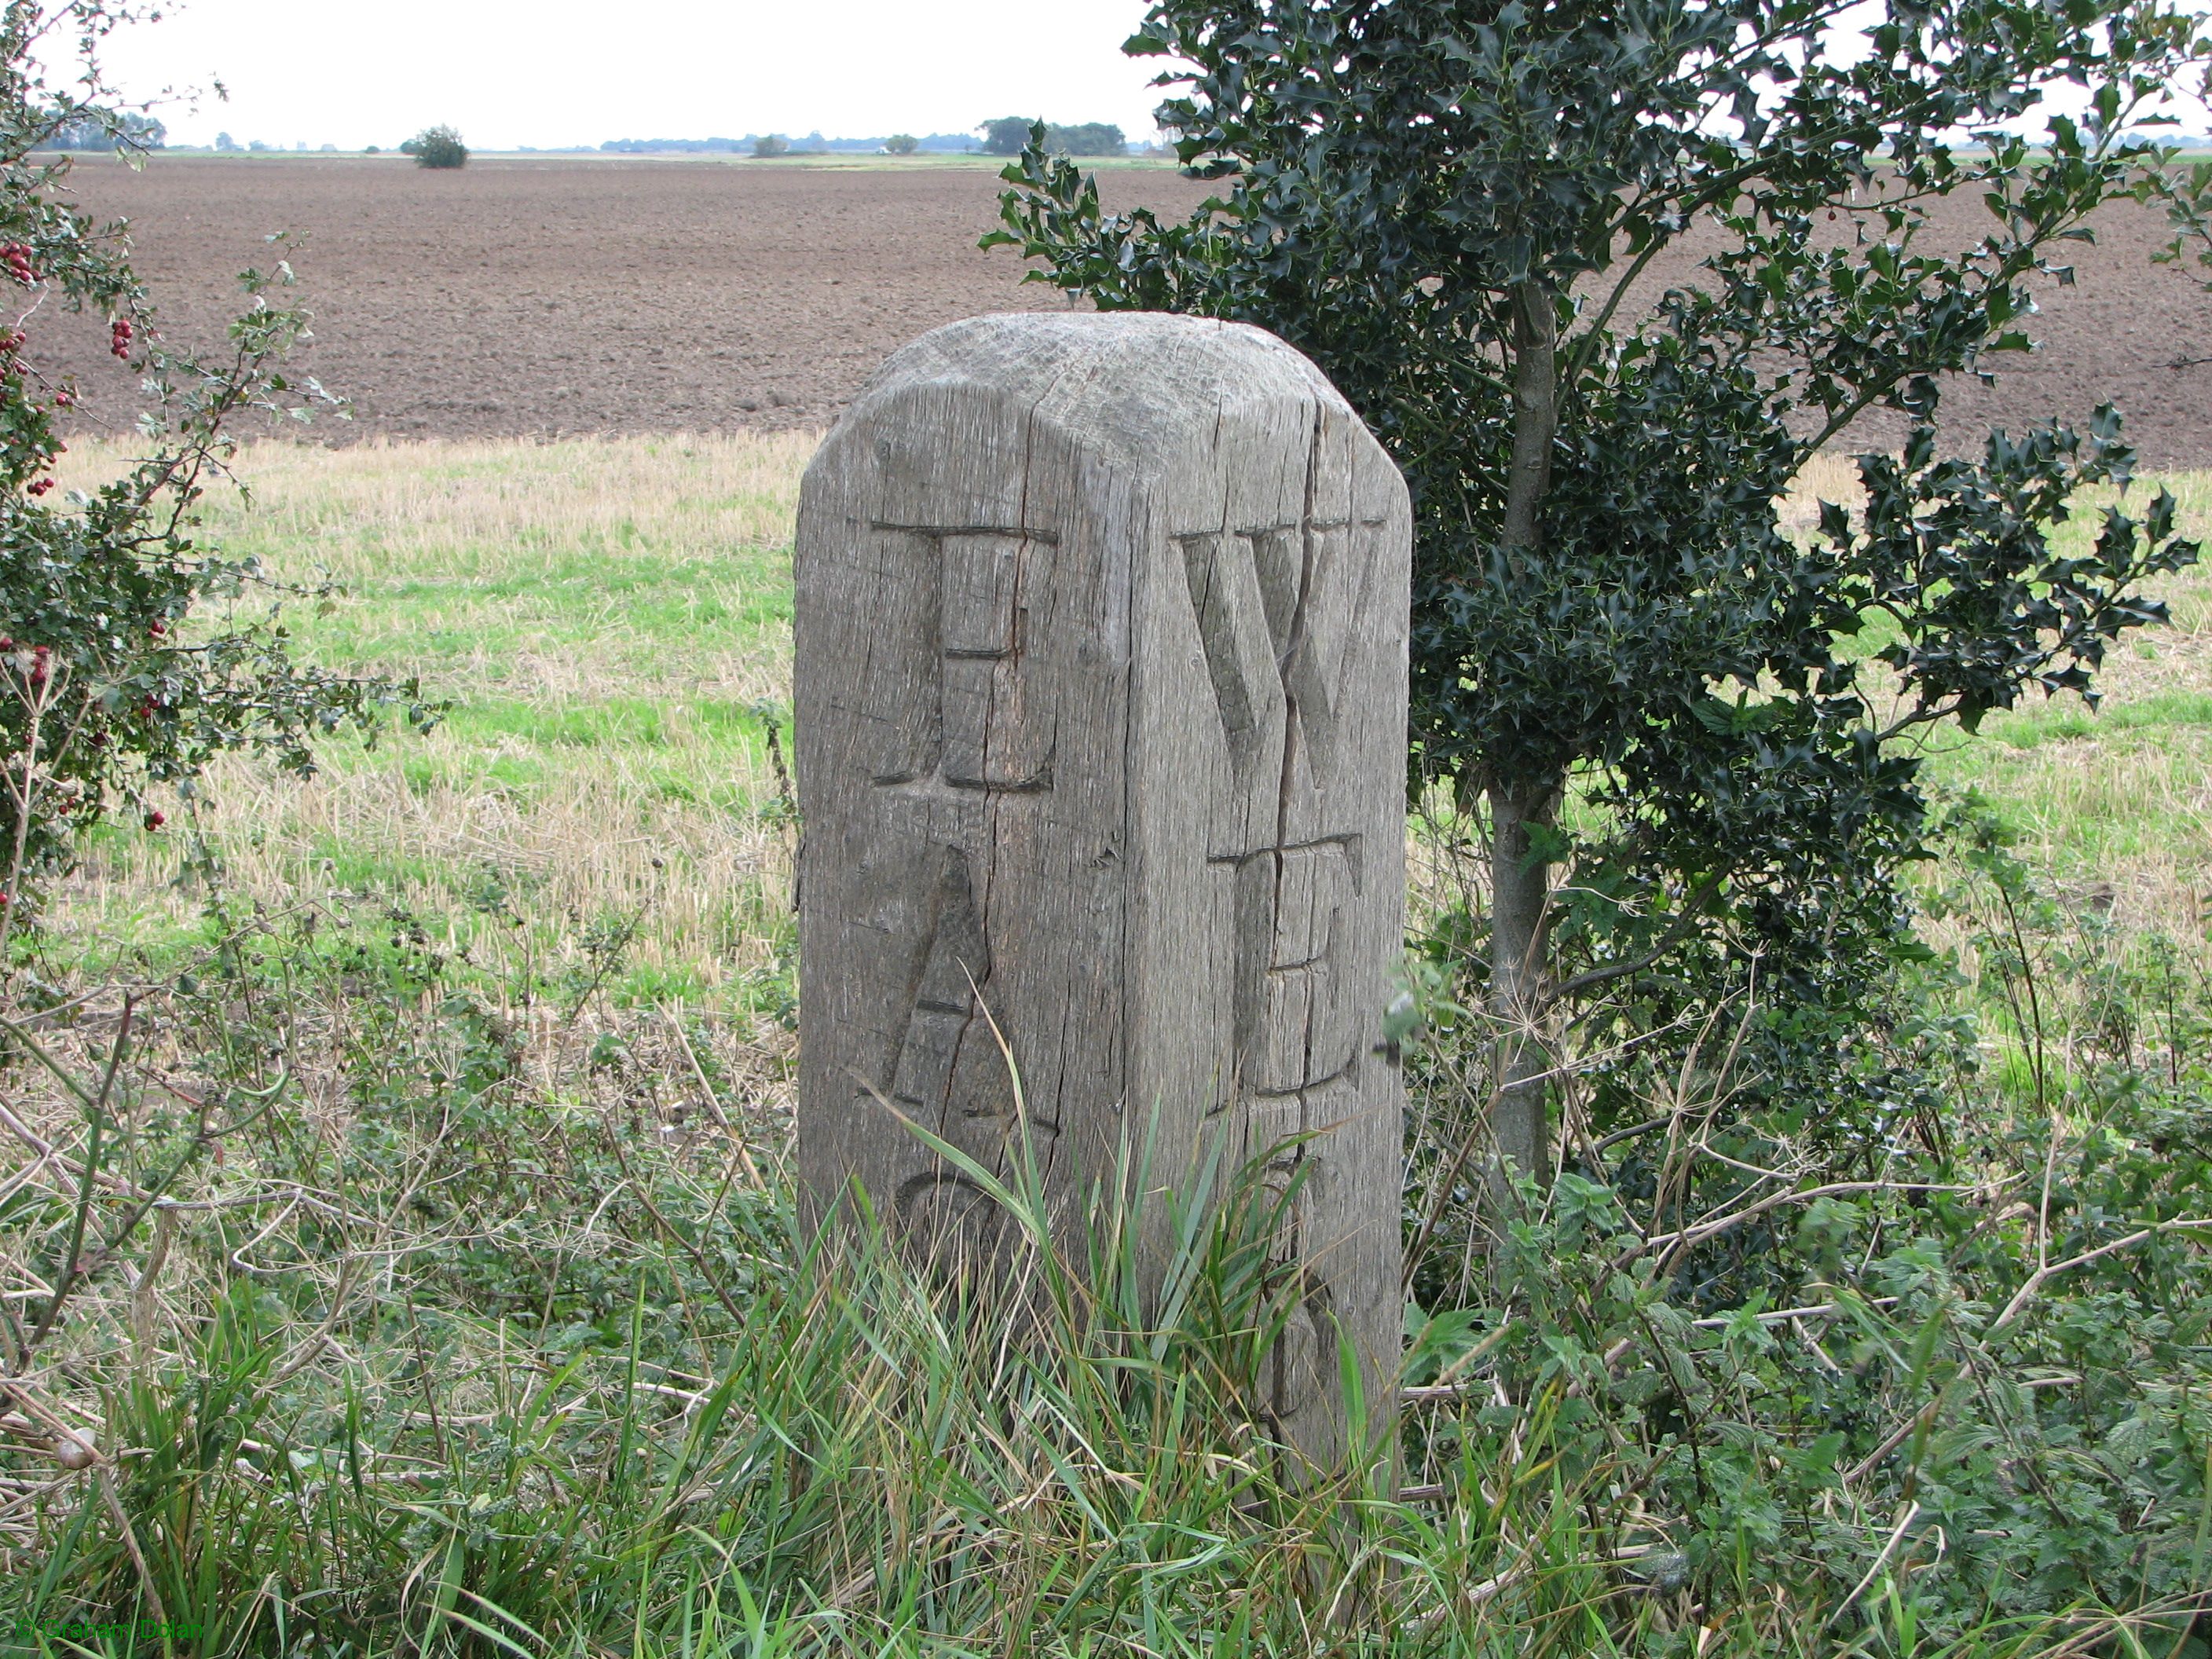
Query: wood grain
1101	725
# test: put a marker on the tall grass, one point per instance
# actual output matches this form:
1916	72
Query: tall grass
488	1335
344	1414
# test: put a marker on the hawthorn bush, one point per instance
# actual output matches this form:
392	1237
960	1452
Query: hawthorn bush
131	654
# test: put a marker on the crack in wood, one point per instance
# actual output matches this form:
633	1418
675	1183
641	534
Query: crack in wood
1032	533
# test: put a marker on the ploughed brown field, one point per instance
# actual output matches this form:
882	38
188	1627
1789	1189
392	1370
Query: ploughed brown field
536	297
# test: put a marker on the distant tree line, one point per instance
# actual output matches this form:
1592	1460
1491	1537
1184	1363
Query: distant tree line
1009	136
1005	137
938	142
678	146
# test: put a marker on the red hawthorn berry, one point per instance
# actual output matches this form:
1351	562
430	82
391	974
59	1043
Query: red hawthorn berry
156	820
62	400
40	486
155	629
6	899
119	337
6	644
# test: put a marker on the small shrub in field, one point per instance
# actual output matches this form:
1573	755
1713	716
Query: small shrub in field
437	146
771	144
901	143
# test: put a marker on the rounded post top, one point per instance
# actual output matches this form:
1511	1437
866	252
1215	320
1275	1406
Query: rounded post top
1124	380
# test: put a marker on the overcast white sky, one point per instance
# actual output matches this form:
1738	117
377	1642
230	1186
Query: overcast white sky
559	72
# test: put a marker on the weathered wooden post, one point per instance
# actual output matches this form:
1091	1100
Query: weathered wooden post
1101	725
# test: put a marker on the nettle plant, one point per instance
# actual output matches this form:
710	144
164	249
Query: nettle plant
131	654
1449	204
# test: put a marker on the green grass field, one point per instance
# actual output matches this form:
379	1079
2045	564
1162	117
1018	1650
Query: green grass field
610	623
612	620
